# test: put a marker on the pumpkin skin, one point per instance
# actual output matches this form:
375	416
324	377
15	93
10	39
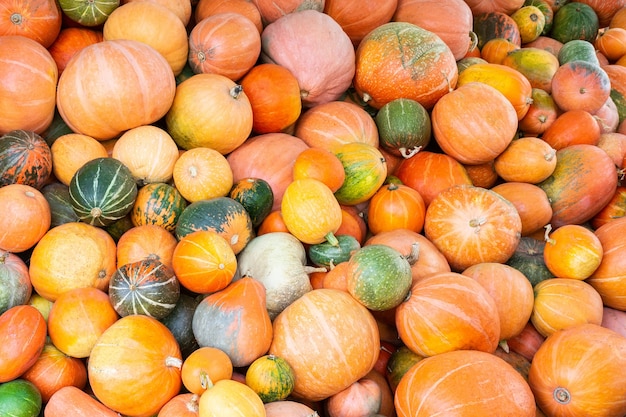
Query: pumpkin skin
475	323
244	334
527	159
288	408
342	326
88	14
202	173
25	158
404	127
490	127
572	251
69	41
365	172
320	164
614	209
327	255
76	402
536	64
572	127
256	196
611	43
27	217
78	318
528	258
182	9
314	47
27	85
71	151
562	383
496	49
617	76
495	24
466	385
145	242
23	331
359	18
206	8
39	21
575	21
493	226
362	397
111	106
531	202
382	75
580	85
583	182
531	22
158	204
541	113
15	288
209	110
272	11
396	206
182	405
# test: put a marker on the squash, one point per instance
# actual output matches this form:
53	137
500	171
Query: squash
277	260
27	85
617	76
71	151
382	73
562	381
578	50
611	43
244	334
396	206
88	14
614	209
495	24
206	8
527	342
15	286
365	172
320	164
201	174
20	398
575	20
527	159
541	113
362	397
344	331
182	405
572	251
531	202
179	323
39	20
271	377
531	22
102	191
138	88
71	40
145	242
129	357
528	259
404	127
288	408
27	217
23	336
256	196
58	197
327	255
324	65
25	158
465	384
230	398
274	10
74	401
204	367
358	18
580	85
536	64
78	318
159	204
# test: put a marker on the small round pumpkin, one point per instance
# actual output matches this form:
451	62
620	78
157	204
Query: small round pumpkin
202	173
25	158
404	127
527	159
572	251
38	20
580	85
26	217
271	377
365	172
230	398
71	151
159	204
320	164
396	206
204	367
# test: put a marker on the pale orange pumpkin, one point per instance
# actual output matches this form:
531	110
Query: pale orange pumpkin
71	151
531	202
181	8
247	8
232	397
26	217
202	173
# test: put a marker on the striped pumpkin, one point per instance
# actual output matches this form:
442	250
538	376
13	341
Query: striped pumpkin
146	287
25	158
158	203
102	191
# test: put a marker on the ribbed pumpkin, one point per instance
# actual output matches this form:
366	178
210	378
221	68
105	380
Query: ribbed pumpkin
88	14
358	18
159	204
102	191
531	202
230	398
37	20
206	8
202	173
27	85
20	398
71	151
493	24
396	206
131	85
580	85
25	158
145	287
26	217
365	170
382	73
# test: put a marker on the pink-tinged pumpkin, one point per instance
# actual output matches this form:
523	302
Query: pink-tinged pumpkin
131	84
358	18
614	319
486	6
400	59
489	122
580	85
272	10
451	20
27	85
346	336
315	49
74	401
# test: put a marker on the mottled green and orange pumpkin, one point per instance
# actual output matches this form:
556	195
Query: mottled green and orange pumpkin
160	204
25	158
271	377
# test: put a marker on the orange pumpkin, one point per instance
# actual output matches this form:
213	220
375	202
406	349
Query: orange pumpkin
181	405
448	311
396	206
531	202
71	151
608	116
274	10
541	113
273	222
362	397
614	209
526	342
206	8
146	241
482	175
27	85
182	9
23	336
204	367
71	40
224	43
72	255
202	173
611	42
527	159
37	20
320	164
502	6
71	400
571	128
140	357
580	85
470	225
153	24
26	217
563	381
572	251
495	50
344	331
288	408
352	223
78	318
358	18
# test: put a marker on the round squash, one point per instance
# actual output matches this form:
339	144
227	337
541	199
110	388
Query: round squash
26	217
15	286
230	398
158	204
71	40
20	398
404	127
201	174
71	151
89	14
358	18
365	172
204	367
25	158
271	377
572	251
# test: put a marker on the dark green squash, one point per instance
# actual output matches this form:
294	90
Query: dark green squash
179	323
56	129
146	287
256	196
404	127
58	197
491	25
19	398
102	191
158	203
528	259
25	158
326	254
575	20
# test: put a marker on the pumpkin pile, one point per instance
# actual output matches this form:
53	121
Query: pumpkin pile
338	208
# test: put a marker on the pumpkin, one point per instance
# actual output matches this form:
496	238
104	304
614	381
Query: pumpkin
72	255
88	14
158	27
23	331
78	318
223	215
536	64
572	251
488	226
20	398
564	131
206	8
482	175
256	196
244	334
495	24
158	204
209	110
40	21
179	323
526	343
404	127
611	43
465	383
274	10
327	255
118	101
399	363
320	164
396	206
182	405
358	18
58	197
562	303
365	172
71	151
528	259
324	64
271	377
505	6
353	223
495	50
431	172
614	209
464	316
310	211
149	152
288	408
102	191
70	399
54	370
540	115
362	397
15	288
531	22
69	41
230	398
201	174
274	95
382	73
204	367
531	202
25	158
575	21
547	43
527	159
562	380
27	217
204	262
343	329
27	85
617	76
608	117
270	157
145	242
580	85
614	319
583	182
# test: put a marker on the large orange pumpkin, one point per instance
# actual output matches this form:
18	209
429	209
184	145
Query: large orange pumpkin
131	84
580	85
37	20
27	85
134	367
26	217
572	127
527	159
358	18
247	8
382	73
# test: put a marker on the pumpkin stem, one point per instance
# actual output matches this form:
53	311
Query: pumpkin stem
310	269
550	155
561	395
174	362
205	380
476	223
332	239
3	256
406	154
504	346
366	98
473	41
193	404
414	255
546	235
236	91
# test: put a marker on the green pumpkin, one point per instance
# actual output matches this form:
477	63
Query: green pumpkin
19	398
366	171
404	127
528	259
256	196
326	254
88	13
58	197
271	377
578	50
575	20
102	191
